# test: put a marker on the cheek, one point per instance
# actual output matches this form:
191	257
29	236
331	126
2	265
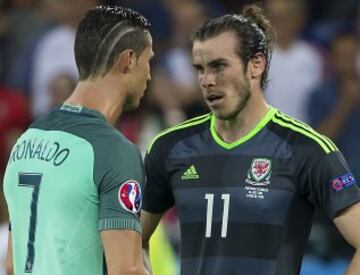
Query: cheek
227	78
236	84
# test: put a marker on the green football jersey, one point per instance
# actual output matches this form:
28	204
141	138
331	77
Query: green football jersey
70	176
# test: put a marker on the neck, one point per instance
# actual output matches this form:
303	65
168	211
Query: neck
101	95
245	121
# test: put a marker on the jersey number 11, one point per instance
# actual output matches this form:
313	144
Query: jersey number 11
209	214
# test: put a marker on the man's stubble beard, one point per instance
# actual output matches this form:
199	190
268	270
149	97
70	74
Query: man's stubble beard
245	97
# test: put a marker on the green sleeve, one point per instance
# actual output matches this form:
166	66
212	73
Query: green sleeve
119	177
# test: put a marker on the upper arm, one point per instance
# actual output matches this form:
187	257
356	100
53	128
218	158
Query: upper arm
123	252
9	256
329	184
119	177
348	223
157	193
149	222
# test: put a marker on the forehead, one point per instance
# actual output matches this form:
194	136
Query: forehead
221	46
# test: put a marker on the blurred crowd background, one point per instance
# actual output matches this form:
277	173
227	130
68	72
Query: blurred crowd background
314	76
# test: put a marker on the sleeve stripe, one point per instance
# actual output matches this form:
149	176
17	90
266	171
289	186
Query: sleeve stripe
331	142
119	224
194	119
302	131
308	129
186	124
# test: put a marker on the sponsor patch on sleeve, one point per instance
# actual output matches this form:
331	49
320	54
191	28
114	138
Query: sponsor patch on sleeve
129	196
343	182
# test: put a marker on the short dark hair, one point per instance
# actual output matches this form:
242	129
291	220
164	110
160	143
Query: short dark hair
103	34
254	32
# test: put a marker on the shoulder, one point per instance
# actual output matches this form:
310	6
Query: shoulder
103	138
114	156
301	137
169	137
110	145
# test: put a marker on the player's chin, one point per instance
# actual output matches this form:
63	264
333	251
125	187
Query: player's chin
219	115
223	114
218	112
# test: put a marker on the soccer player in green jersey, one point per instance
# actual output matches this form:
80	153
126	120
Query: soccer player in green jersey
245	179
73	182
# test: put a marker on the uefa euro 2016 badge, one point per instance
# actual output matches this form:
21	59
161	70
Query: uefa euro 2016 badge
259	172
343	182
129	196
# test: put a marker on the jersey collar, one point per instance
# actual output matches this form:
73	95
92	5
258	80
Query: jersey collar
245	138
81	110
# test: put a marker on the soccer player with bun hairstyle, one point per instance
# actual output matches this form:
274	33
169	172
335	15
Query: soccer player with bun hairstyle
245	178
253	30
73	182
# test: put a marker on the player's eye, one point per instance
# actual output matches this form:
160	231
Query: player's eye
219	67
199	69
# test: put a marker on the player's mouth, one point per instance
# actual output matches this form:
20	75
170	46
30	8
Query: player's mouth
214	99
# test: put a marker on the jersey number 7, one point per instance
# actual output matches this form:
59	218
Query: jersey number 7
32	180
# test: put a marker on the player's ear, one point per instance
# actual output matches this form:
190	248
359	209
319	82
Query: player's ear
257	65
126	61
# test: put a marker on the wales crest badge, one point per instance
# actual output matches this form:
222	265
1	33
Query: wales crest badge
259	172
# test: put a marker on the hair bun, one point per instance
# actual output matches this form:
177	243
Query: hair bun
256	14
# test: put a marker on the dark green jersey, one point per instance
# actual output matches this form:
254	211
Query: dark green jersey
246	207
69	176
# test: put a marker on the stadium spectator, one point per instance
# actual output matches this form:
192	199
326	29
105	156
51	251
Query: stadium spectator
186	17
174	89
357	28
3	41
14	118
61	88
26	22
54	52
334	107
296	66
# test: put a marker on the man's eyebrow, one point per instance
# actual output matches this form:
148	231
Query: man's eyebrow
197	66
217	62
211	63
